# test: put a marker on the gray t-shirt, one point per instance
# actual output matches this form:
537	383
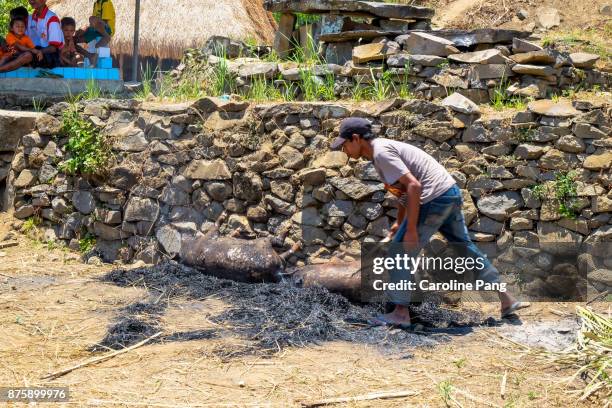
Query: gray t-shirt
393	159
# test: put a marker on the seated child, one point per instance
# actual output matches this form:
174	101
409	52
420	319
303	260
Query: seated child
19	12
69	54
101	27
21	49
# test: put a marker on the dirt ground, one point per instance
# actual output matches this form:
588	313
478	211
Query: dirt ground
54	310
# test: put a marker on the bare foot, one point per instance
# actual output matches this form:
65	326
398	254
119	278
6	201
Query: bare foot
93	60
399	316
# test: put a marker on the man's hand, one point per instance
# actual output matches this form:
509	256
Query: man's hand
392	230
39	54
411	240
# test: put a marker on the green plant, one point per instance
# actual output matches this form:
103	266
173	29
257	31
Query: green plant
88	150
382	86
502	99
538	191
31	224
531	395
87	243
92	90
445	389
565	193
526	134
37	104
460	363
146	88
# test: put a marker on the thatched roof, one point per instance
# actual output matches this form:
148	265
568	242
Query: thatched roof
167	28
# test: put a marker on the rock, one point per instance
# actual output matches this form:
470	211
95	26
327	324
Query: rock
558	240
47	125
546	107
601	204
282	189
313	235
530	198
547	17
291	158
338	208
521	46
438	131
170	240
339	53
535	70
555	160
544	57
598	161
257	214
460	103
374	51
449	81
207	170
26	178
409	60
370	211
219	191
211	104
24	211
499	206
490	56
570	144
130	139
248	187
379	227
331	160
602	276
83	201
487	226
586	131
489	71
576	225
225	47
32	140
583	59
172	195
469	209
141	209
355	188
529	151
258	69
280	206
606	10
423	43
312	177
522	14
518	224
375	9
309	216
240	223
108	232
46	173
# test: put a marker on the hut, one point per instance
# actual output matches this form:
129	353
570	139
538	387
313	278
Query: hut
167	28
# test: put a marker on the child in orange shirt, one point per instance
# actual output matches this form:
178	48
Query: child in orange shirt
21	48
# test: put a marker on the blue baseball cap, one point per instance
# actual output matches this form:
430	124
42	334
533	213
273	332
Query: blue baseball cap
350	127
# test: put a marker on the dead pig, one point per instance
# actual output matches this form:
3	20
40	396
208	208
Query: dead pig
338	277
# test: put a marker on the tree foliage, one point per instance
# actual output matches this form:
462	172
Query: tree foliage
5	7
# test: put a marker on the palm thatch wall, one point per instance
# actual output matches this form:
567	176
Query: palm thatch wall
168	27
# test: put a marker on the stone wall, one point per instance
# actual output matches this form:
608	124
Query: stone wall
478	64
176	168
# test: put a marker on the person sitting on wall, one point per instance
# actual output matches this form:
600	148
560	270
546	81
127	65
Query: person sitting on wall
101	28
69	54
46	32
21	50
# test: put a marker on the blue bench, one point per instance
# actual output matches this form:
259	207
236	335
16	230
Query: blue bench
104	71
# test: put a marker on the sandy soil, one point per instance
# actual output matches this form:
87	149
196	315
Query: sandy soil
54	309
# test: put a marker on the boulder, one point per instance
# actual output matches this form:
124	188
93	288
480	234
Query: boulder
438	131
26	178
170	239
207	170
546	107
534	57
248	187
598	161
556	160
499	206
13	125
558	240
530	151
47	125
331	160
428	44
489	71
487	226
309	216
490	56
129	139
374	51
521	46
141	209
267	70
547	17
369	8
403	60
535	70
601	204
355	188
583	59
291	158
83	201
339	53
570	144
460	103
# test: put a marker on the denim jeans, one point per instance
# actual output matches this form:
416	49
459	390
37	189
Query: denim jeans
442	214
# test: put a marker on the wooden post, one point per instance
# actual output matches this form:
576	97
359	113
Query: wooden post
136	48
307	41
282	40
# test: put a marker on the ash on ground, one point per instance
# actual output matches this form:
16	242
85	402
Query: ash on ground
550	335
270	317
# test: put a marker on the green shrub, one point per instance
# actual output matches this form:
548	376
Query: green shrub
88	151
87	243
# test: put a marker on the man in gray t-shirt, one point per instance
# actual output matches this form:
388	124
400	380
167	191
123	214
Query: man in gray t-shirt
429	202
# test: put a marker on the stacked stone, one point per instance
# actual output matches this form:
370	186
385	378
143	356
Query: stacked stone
177	168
